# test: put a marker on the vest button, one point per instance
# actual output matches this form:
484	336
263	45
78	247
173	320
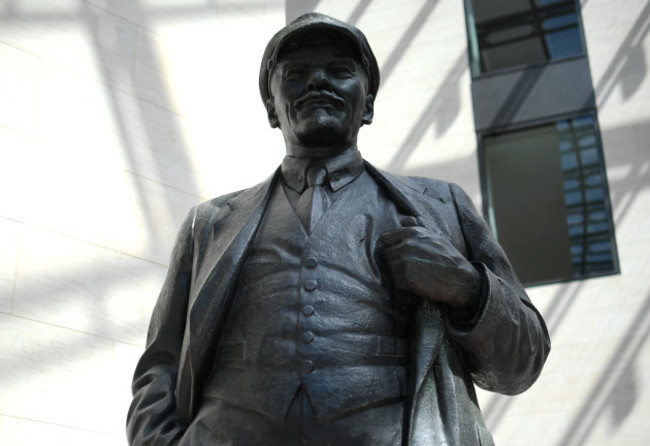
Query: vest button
310	285
307	366
308	337
311	262
307	310
336	176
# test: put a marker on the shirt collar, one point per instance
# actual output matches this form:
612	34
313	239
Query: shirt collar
341	170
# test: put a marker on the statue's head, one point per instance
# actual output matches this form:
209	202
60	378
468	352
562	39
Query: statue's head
318	81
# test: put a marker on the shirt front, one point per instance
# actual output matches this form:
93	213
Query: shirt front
341	171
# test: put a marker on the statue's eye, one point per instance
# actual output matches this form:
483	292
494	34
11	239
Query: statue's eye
343	70
292	73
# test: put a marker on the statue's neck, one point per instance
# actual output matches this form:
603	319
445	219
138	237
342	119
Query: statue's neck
318	152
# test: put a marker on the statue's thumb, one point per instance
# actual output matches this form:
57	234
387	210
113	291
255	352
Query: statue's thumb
408	222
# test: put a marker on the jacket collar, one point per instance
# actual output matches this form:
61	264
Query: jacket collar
341	170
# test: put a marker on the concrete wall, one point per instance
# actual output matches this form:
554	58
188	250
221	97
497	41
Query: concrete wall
117	116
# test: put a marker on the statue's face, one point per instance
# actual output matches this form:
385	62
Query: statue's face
319	93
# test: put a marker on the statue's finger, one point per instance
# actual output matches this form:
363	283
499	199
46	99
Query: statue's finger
409	222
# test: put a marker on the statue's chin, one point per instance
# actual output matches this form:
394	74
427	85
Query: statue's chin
321	134
322	128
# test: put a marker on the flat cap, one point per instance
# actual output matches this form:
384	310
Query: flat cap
316	21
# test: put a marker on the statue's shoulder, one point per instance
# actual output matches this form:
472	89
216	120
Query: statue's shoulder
426	183
423	185
211	210
218	202
214	205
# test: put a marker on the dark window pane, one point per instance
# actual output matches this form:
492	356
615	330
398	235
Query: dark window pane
560	21
569	161
589	157
547	202
565	43
510	33
593	180
548	2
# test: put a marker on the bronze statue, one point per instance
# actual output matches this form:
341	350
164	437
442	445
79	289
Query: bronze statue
334	303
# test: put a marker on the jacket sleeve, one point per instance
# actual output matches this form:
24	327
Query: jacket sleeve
152	418
507	345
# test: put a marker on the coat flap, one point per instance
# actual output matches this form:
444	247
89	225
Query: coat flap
226	249
209	308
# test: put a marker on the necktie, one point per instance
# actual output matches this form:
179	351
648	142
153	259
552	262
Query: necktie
314	201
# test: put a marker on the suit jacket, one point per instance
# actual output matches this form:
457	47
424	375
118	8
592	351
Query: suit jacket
503	351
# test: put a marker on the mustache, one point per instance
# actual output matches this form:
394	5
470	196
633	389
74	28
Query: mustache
328	96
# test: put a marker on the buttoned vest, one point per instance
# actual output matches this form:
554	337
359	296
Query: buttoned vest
314	310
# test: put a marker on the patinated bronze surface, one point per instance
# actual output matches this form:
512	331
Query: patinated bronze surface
333	303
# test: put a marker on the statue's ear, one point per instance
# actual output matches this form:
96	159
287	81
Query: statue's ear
369	110
273	116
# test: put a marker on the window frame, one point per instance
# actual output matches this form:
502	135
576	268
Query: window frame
541	122
473	50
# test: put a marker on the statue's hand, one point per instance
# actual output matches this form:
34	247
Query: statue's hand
426	263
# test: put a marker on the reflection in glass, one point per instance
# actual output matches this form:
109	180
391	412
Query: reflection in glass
589	228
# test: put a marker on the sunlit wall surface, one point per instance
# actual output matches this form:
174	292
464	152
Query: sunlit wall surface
117	116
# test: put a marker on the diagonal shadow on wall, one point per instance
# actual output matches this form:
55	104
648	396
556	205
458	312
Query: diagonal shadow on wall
407	38
358	11
619	377
295	8
440	113
630	53
110	52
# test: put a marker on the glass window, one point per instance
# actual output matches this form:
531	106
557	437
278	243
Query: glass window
511	33
547	200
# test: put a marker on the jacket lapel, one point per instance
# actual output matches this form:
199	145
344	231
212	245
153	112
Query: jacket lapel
223	261
234	239
398	191
428	326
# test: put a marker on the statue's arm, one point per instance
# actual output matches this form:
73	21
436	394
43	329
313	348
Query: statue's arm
507	343
152	418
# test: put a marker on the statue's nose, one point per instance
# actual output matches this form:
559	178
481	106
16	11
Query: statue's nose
318	79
